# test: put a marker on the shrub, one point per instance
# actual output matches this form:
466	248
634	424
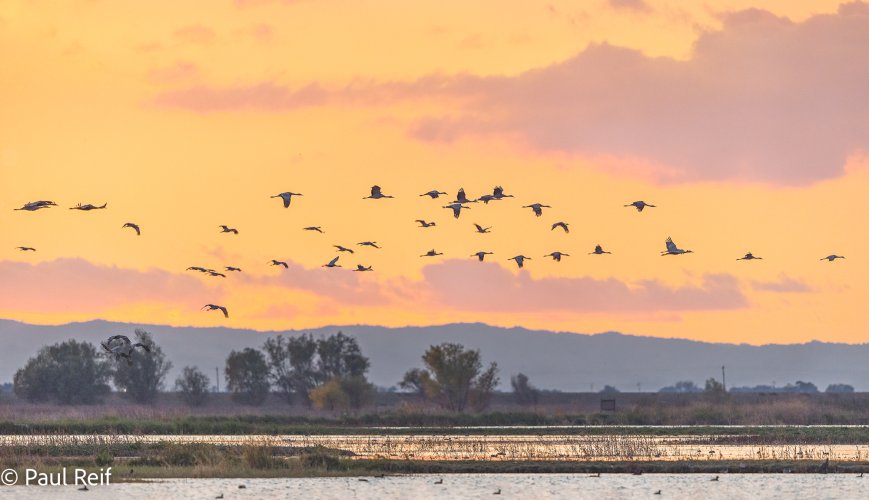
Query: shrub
192	386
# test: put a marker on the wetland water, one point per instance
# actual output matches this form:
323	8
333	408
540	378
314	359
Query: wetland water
502	447
525	486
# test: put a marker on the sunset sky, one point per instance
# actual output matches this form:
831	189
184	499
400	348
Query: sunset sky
745	122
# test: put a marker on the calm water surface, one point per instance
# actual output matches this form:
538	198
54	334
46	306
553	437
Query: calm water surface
525	486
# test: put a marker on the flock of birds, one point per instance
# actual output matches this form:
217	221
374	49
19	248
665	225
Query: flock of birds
121	346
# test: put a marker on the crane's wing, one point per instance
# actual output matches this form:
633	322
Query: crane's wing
375	190
333	261
671	247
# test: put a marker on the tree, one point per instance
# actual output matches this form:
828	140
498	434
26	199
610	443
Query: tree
713	387
68	372
143	378
329	396
839	388
523	391
684	386
292	365
192	385
415	380
608	389
300	364
454	377
247	376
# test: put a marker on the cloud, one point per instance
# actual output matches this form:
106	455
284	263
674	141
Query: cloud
179	72
762	99
66	285
783	284
635	5
489	287
195	33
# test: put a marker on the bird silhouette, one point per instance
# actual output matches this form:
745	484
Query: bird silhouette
26	249
215	307
431	253
376	194
639	205
343	249
369	244
831	258
231	268
672	249
216	274
556	256
332	263
481	229
121	347
497	492
88	207
134	226
562	225
434	193
200	269
279	263
481	255
598	250
714	478
498	193
361	268
537	208
749	256
37	205
520	260
423	223
439	481
461	198
457	209
227	229
314	228
486	198
287	197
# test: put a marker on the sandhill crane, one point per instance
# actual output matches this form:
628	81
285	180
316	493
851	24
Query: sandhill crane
231	268
361	268
537	208
639	205
376	194
121	347
556	256
227	229
88	207
134	226
423	223
481	255
461	198
749	256
343	249
26	249
216	274
37	205
215	307
279	263
434	193
200	269
562	225
486	198
332	263
369	244
431	253
287	197
833	257
520	260
672	249
481	229
498	193
314	228
457	209
598	250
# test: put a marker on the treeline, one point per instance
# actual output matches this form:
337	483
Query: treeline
714	386
328	373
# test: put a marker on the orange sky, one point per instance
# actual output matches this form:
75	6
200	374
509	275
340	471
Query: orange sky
743	121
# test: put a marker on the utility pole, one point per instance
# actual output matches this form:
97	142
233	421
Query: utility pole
723	379
217	378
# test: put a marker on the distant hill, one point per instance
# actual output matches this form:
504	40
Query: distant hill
553	360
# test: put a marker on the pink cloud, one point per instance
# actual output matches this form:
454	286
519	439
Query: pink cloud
489	287
636	5
195	33
267	96
66	285
784	284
